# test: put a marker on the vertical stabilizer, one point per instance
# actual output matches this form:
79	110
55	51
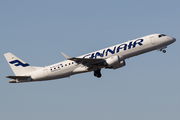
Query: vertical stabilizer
18	66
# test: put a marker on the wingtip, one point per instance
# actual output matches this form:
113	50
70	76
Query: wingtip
67	57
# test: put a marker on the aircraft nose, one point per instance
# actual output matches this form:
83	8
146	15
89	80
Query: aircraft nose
173	39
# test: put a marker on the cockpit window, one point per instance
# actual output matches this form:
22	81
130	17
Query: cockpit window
161	35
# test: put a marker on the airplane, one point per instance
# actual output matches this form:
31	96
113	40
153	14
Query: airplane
112	57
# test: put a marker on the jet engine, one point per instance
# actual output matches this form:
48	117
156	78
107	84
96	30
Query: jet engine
114	62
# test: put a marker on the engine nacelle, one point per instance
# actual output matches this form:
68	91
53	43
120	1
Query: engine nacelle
121	64
111	61
114	62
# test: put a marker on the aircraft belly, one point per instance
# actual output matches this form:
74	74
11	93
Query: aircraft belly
60	74
80	69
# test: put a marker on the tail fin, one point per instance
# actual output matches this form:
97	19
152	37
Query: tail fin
18	66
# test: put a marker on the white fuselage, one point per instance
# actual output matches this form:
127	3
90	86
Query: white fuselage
123	51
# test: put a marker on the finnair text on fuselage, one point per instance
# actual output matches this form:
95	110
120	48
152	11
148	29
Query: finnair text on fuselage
115	50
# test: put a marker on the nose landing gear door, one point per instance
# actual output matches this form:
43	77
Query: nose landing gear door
152	40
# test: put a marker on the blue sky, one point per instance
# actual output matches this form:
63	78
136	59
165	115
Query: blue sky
147	88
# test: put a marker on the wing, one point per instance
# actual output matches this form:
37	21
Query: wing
87	61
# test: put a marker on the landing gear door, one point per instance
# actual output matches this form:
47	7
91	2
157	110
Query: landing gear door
152	40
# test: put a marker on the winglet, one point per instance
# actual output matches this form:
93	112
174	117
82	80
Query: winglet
67	57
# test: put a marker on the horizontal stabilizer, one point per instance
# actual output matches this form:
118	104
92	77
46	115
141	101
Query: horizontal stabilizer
18	77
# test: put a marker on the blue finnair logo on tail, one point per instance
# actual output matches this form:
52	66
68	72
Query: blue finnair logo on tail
19	63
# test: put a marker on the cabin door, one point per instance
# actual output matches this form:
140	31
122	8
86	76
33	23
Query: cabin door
152	40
